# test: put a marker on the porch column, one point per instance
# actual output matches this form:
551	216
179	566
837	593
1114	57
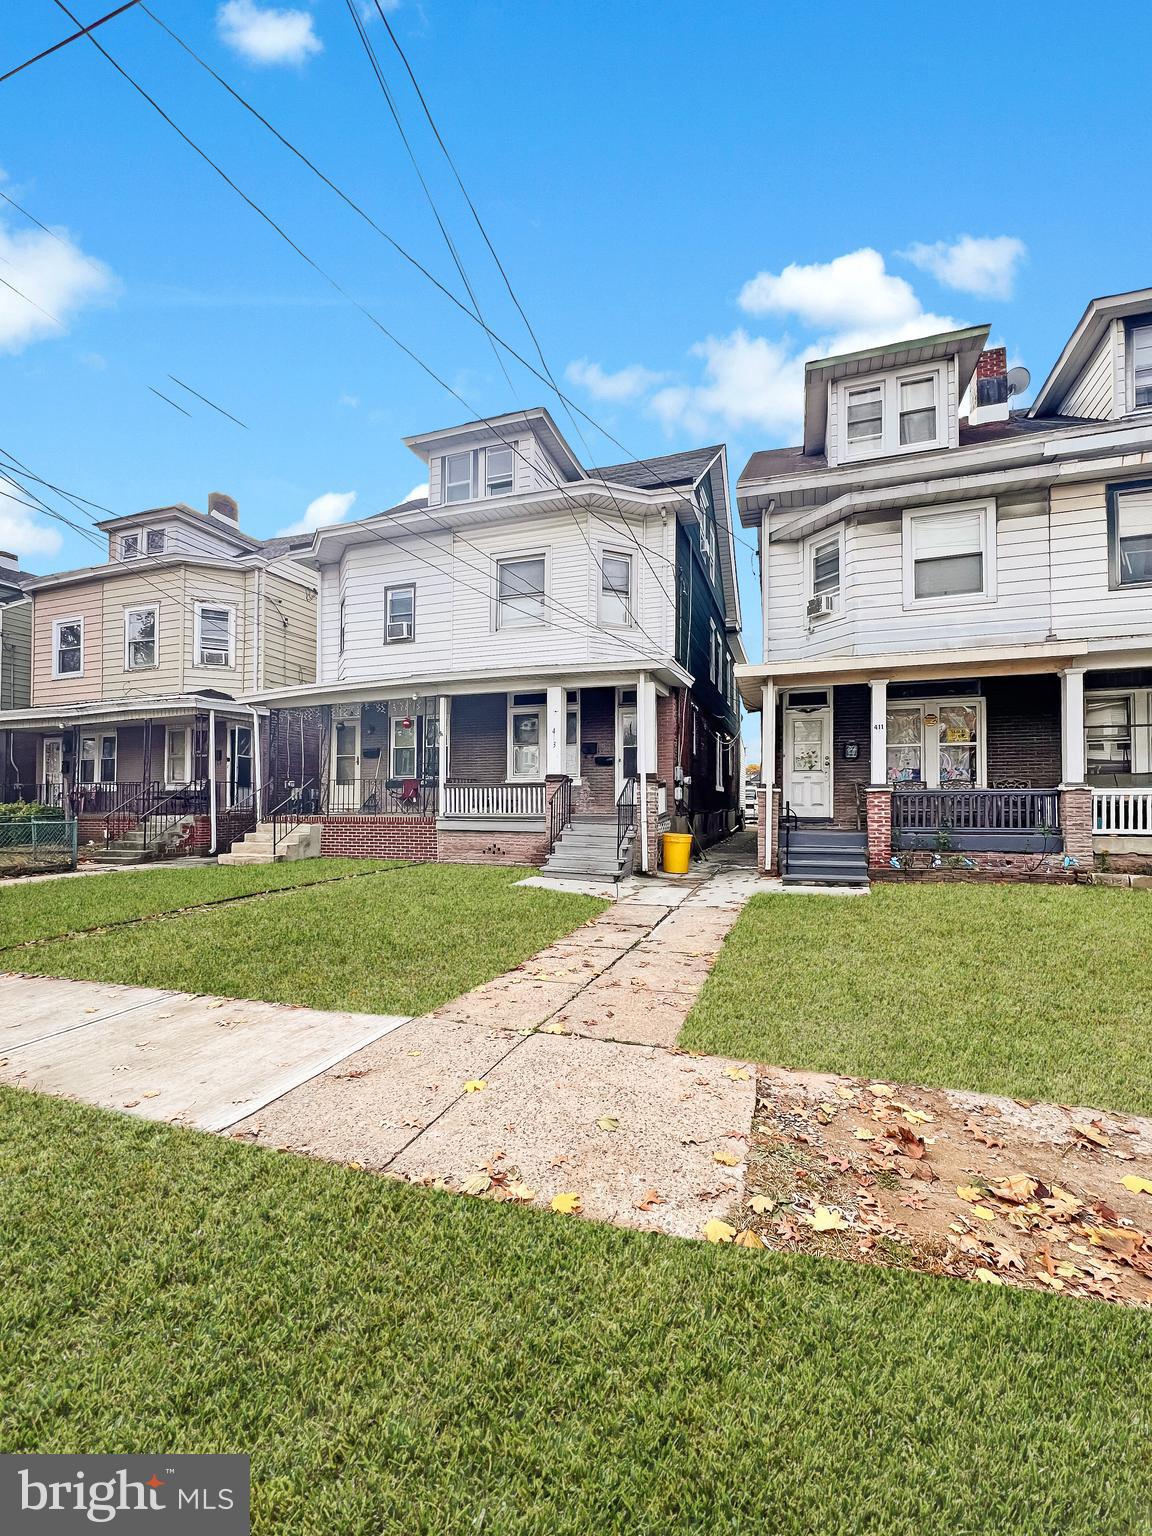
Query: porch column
878	764
766	826
554	739
1072	762
443	714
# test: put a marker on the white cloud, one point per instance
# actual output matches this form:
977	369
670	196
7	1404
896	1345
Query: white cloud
267	35
625	384
983	265
417	493
20	530
749	381
850	291
55	280
349	401
332	507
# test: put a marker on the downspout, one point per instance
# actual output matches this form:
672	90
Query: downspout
212	778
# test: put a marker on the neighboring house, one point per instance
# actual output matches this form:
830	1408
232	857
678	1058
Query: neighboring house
528	649
138	665
958	606
15	663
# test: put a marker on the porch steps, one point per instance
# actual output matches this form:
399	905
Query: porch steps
826	856
588	848
130	848
255	847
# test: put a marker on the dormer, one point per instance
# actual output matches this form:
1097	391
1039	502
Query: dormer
889	401
1105	370
504	456
163	532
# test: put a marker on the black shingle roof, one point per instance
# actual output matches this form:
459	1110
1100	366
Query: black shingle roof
665	469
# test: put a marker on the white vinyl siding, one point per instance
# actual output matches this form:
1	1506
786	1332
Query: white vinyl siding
1092	395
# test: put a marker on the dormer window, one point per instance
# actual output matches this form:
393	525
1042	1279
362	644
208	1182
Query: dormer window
155	540
892	413
478	472
129	546
458	477
498	471
1140	343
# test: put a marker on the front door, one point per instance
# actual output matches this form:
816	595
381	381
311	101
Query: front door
240	765
626	738
808	761
526	754
54	767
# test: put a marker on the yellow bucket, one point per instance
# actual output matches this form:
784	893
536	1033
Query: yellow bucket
677	852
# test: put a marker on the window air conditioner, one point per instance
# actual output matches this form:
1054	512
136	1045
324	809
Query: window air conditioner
824	603
400	629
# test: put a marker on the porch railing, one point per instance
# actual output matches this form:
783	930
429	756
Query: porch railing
153	808
559	811
625	815
1122	812
493	800
975	810
287	812
379	797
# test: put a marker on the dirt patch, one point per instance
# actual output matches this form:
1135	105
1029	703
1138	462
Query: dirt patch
992	1190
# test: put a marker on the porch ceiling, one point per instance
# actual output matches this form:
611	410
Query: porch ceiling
904	667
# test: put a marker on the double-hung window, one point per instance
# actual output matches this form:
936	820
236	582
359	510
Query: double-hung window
214	638
712	652
97	760
498	471
616	590
891	413
140	638
457	477
68	648
1130	535
399	614
949	554
343	618
917	410
1108	734
823	575
865	414
1140	346
176	755
520	592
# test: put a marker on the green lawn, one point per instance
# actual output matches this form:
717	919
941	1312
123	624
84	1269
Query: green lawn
36	911
400	1361
1034	992
404	941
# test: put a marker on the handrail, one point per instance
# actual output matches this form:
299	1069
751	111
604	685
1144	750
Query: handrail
625	815
788	820
290	812
975	810
559	811
144	806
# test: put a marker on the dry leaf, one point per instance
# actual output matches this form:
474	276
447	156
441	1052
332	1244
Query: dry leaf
477	1183
729	1159
1136	1184
566	1204
748	1239
717	1231
737	1074
154	1093
983	1212
824	1220
969	1192
553	1029
1090	1133
608	1123
881	1090
762	1204
475	1085
652	1198
862	1135
522	1192
988	1277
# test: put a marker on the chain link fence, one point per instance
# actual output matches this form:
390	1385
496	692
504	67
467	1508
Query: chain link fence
34	844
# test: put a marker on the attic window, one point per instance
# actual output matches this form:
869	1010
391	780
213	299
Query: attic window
917	410
498	472
155	540
458	477
865	415
898	412
1141	341
129	546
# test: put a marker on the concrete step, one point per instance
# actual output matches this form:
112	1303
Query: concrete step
824	878
123	856
239	856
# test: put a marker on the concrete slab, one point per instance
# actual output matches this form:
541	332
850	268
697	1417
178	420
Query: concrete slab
541	1107
510	1002
374	1102
199	1060
648	968
630	914
33	1007
566	962
625	1014
607	890
655	893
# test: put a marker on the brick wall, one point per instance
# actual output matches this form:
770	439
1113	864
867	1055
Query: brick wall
1076	824
492	847
1015	868
597	795
1023	729
879	828
851	721
478	741
377	837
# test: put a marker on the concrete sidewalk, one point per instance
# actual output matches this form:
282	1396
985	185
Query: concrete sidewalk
560	1077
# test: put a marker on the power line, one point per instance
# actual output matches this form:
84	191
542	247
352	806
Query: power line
64	41
206	401
33	302
172	403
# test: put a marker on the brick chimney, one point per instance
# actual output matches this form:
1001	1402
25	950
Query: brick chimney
223	507
990	388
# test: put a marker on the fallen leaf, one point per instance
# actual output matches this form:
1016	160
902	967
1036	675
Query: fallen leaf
737	1074
824	1220
717	1231
477	1183
917	1116
522	1192
983	1212
748	1239
862	1135
983	1136
1017	1188
652	1198
566	1204
1136	1184
845	1093
130	1103
969	1192
729	1159
154	1093
1090	1133
553	1029
608	1123
881	1090
762	1204
359	1167
475	1085
988	1277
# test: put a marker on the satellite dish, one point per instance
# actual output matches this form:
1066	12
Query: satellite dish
1018	380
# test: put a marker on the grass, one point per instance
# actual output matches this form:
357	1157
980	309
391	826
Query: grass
400	1361
49	907
402	942
1039	993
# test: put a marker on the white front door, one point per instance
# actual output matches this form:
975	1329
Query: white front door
808	761
54	764
626	738
526	744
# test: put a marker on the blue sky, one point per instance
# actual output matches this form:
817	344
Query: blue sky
689	200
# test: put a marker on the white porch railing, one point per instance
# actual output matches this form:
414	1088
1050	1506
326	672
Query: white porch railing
1122	812
493	800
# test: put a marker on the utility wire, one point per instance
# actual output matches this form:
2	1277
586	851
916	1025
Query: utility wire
206	401
64	41
172	403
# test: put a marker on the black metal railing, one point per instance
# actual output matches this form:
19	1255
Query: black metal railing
625	815
975	810
285	815
380	797
152	808
789	822
559	811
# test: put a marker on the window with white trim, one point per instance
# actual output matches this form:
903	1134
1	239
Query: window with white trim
712	652
950	556
457	475
97	760
520	592
1107	734
399	614
68	648
155	541
403	746
616	598
176	755
572	733
719	780
1140	348
823	575
1130	535
343	614
140	637
498	472
214	635
899	412
129	546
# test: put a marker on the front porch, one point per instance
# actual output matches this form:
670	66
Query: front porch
1001	768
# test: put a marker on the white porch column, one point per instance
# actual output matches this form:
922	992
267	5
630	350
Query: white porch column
642	738
878	737
1072	761
768	736
443	714
554	732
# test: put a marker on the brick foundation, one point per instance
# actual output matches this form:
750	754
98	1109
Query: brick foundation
492	847
1123	863
377	837
763	842
1076	824
1015	868
879	803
